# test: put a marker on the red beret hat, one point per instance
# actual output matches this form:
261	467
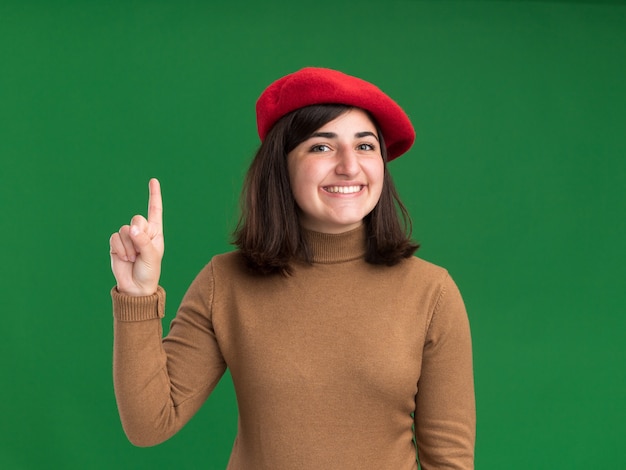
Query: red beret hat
313	85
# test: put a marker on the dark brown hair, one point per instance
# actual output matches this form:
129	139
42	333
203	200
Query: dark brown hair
268	233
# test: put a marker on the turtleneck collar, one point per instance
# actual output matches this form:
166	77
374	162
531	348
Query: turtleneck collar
336	248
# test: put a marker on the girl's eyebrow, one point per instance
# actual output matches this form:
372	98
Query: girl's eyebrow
360	135
325	135
332	135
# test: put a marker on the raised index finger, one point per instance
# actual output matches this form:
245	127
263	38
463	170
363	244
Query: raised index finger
155	204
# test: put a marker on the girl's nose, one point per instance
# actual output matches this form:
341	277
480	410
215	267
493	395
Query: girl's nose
347	162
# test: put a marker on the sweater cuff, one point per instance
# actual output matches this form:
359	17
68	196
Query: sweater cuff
128	308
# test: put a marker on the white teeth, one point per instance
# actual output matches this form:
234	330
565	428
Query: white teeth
343	189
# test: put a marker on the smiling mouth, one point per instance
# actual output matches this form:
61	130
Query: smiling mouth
343	189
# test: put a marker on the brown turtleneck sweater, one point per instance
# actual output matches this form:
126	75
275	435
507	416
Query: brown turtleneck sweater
328	364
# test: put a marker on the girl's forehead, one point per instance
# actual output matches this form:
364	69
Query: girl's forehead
353	118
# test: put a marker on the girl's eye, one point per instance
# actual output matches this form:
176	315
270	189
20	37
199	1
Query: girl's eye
365	147
320	148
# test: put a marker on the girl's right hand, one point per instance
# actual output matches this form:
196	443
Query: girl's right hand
137	249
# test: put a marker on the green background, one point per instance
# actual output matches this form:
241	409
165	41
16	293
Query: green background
516	184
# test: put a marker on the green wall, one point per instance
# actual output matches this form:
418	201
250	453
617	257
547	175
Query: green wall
515	184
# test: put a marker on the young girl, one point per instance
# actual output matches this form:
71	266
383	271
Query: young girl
345	350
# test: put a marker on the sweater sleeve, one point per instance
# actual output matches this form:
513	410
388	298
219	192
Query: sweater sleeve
159	382
445	413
